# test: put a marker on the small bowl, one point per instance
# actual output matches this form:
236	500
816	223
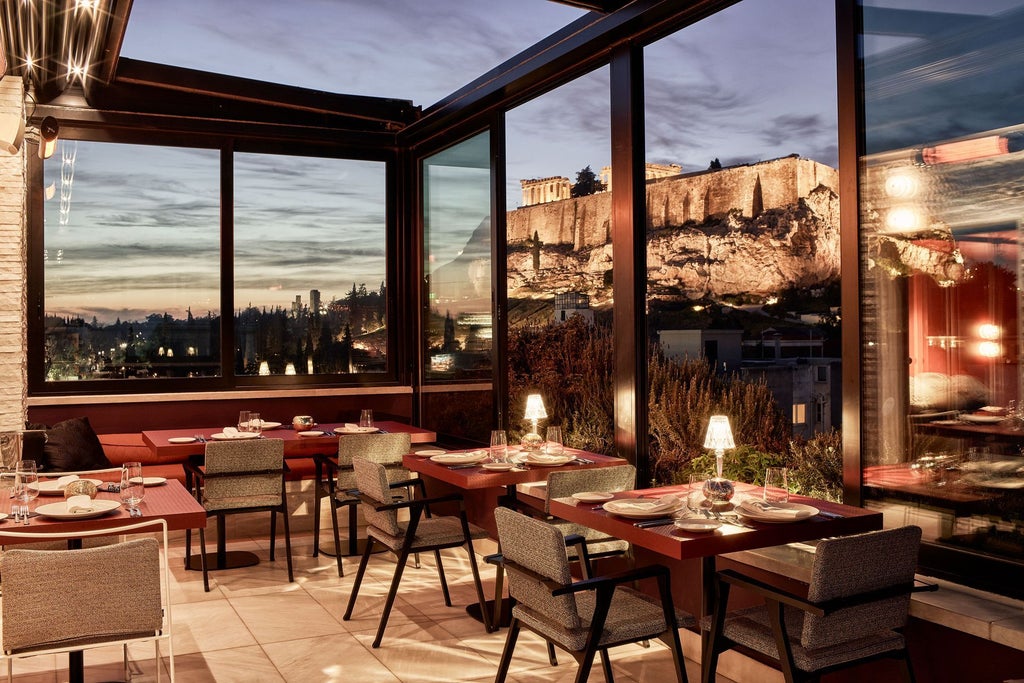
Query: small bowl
302	423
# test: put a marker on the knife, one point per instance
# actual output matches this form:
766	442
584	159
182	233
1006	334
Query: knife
462	467
661	521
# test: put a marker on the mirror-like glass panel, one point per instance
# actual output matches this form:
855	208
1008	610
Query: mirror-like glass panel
131	262
941	268
310	266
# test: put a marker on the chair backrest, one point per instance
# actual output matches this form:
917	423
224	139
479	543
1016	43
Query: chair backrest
564	484
386	449
372	481
853	565
540	548
55	599
237	470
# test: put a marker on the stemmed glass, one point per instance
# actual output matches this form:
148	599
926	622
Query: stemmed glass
132	487
26	488
553	445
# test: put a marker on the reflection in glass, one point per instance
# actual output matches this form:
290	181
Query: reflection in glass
940	234
310	265
131	262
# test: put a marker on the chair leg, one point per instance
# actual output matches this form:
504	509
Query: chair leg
188	547
273	533
287	540
359	579
337	536
506	653
489	626
444	583
606	666
908	667
124	662
317	498
392	593
586	664
353	530
202	558
552	657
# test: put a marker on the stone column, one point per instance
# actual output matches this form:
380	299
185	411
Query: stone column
13	379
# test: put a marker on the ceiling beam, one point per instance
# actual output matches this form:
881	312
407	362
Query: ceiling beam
605	6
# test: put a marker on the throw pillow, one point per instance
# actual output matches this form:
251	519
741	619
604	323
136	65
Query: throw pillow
72	445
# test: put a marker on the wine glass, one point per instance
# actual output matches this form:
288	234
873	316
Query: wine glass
366	418
776	485
553	445
132	487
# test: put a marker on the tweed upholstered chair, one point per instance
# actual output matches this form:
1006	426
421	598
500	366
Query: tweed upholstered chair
242	476
857	602
582	617
340	488
422	533
95	597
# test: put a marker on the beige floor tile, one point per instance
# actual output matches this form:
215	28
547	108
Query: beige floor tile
327	659
285	616
237	665
416	660
207	627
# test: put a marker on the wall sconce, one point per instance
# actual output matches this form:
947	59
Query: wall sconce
718	489
534	412
49	129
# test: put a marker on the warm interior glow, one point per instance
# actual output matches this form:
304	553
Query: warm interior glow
903	219
988	331
535	408
719	436
264	368
289	369
989	349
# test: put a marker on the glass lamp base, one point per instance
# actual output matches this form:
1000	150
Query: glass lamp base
718	490
532	442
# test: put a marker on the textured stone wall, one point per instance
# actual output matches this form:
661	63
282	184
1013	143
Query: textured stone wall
585	222
12	268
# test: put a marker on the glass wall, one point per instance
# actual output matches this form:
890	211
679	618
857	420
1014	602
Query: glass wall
131	262
743	242
941	268
310	295
559	259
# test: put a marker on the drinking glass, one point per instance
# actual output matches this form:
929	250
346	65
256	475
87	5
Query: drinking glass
26	487
695	494
366	418
255	423
243	420
776	485
554	441
133	488
499	446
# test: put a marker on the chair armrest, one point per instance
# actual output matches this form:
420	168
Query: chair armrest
414	503
627	576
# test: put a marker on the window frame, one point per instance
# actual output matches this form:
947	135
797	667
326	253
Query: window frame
228	380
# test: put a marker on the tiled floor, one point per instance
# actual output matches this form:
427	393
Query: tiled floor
255	626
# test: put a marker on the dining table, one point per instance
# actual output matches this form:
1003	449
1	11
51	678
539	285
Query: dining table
167	500
692	555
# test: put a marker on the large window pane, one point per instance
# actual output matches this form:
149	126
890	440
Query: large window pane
559	257
743	243
941	268
457	246
131	262
310	266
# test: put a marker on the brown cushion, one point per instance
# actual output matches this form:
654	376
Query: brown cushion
70	446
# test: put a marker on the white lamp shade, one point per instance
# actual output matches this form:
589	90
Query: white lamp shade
535	408
719	433
264	368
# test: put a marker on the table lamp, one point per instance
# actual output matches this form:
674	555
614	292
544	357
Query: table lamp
534	412
718	489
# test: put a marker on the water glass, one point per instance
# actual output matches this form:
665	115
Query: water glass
133	488
554	441
243	420
255	423
776	485
499	446
695	494
366	418
26	487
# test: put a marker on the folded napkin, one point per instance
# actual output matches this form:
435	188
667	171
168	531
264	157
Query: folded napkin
664	503
352	427
764	508
540	457
78	504
230	431
65	480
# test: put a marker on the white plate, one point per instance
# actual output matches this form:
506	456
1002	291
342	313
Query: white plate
460	458
429	453
802	512
498	466
153	481
549	460
356	430
312	432
636	508
60	510
221	436
990	482
49	487
982	419
592	496
181	439
3	516
697	526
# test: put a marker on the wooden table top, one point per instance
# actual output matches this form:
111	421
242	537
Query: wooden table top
294	445
480	478
678	544
169	501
